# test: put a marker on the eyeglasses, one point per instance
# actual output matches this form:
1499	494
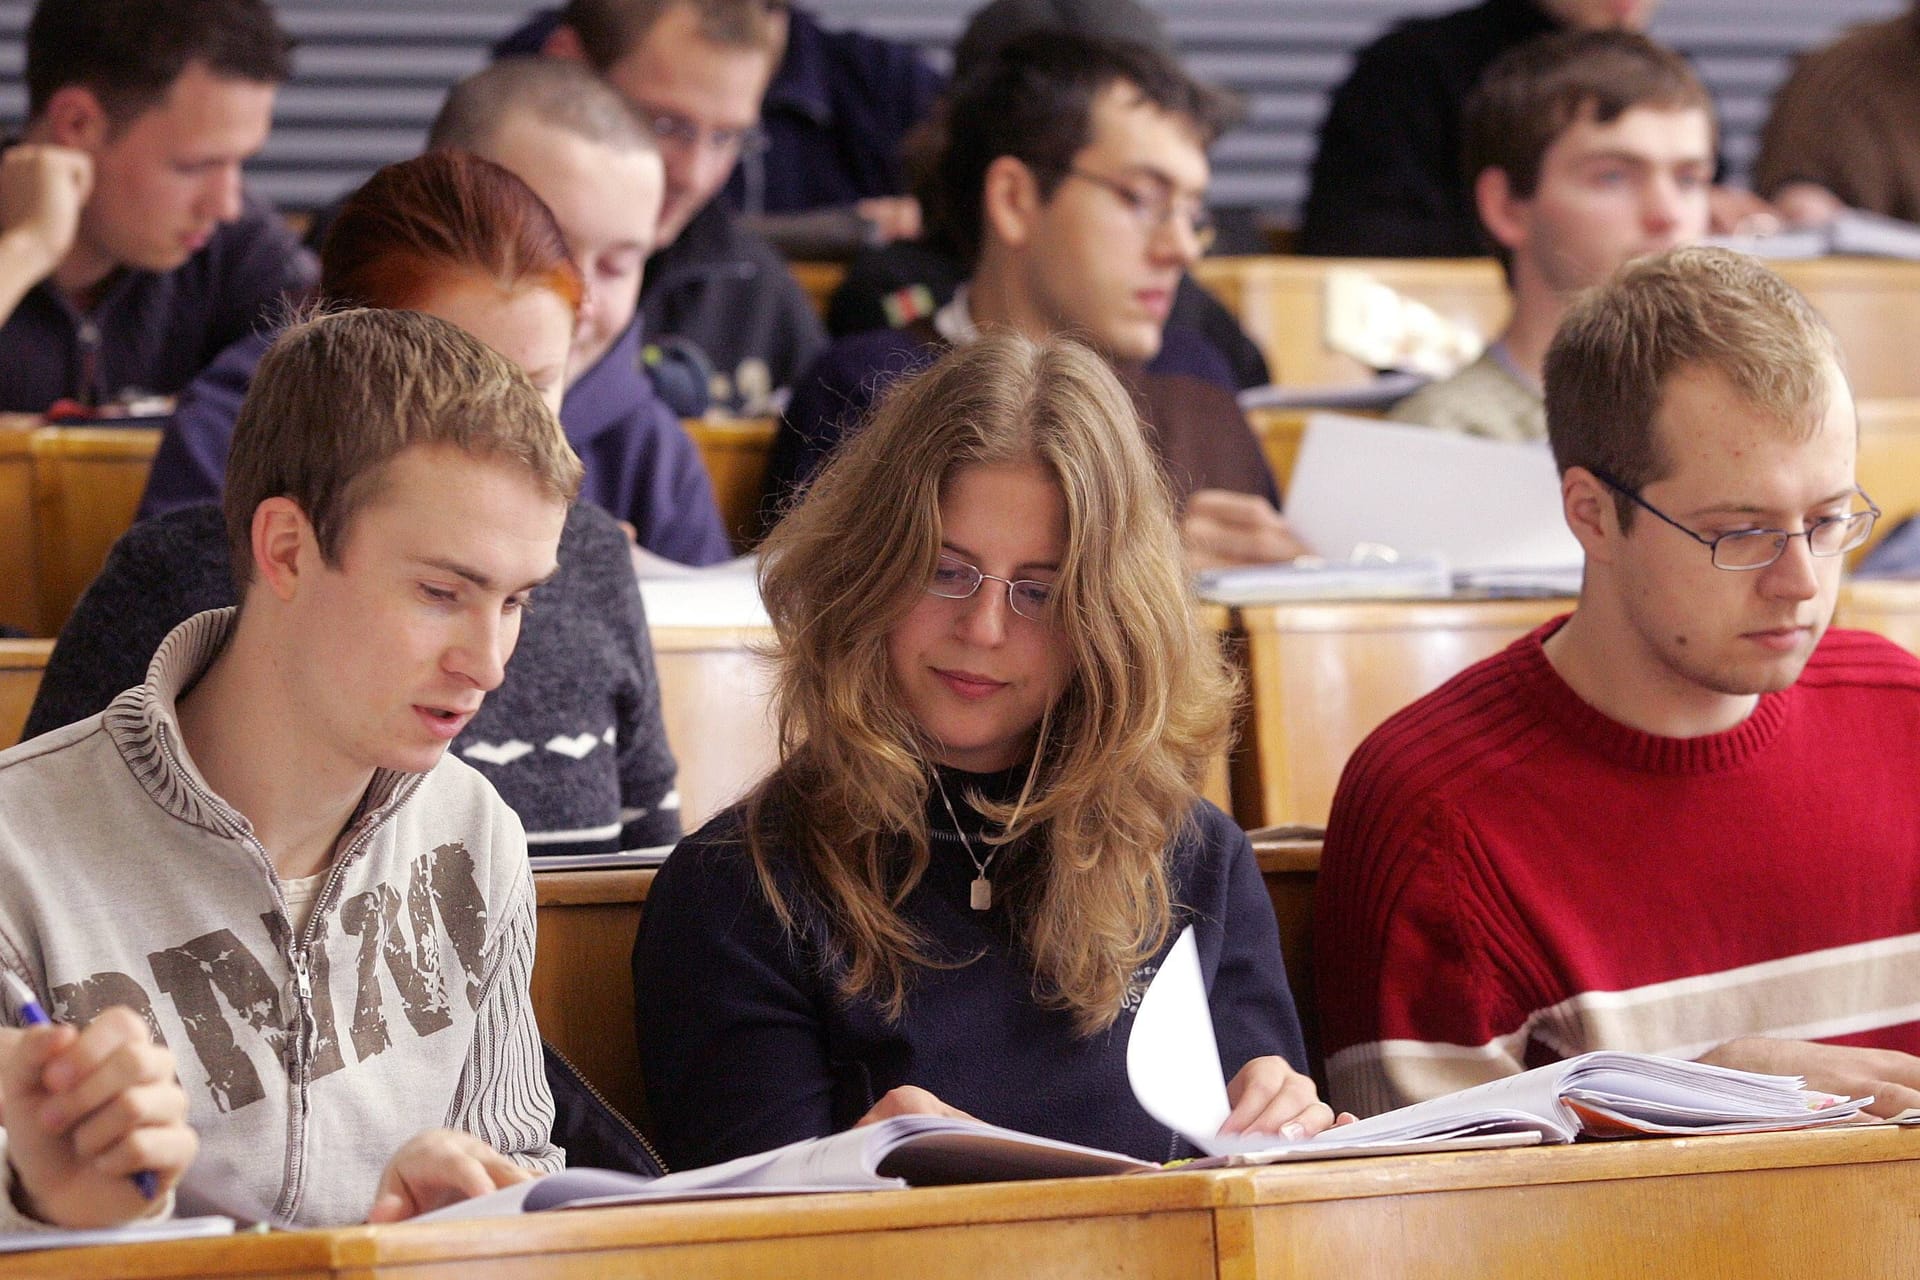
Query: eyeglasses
1154	206
1758	548
955	579
674	130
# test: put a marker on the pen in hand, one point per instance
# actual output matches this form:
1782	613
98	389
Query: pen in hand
32	1015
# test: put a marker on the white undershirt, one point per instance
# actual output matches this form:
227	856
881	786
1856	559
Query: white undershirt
301	895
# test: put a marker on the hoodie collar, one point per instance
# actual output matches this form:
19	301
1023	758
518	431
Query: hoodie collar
144	723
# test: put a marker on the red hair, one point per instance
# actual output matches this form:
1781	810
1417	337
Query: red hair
448	213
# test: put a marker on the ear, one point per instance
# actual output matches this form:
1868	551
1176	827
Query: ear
73	117
281	534
564	43
1010	203
1502	213
1590	512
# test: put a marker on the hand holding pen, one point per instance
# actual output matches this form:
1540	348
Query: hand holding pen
95	1118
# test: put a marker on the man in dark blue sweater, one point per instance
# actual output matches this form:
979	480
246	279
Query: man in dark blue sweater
130	254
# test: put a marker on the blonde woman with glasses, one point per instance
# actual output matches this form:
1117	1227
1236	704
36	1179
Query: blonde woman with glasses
983	835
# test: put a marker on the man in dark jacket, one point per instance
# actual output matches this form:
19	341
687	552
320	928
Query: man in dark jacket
129	253
695	71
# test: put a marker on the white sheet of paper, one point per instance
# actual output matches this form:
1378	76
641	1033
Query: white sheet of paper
1480	504
1173	1062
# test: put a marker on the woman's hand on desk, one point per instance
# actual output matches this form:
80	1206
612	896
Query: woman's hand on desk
1269	1096
84	1111
1222	528
909	1100
438	1168
1892	1077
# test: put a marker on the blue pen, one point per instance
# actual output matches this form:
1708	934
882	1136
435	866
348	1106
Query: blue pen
34	1016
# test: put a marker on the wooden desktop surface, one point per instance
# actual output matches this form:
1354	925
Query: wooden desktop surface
1803	1206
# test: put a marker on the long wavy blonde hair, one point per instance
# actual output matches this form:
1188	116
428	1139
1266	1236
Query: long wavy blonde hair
1149	697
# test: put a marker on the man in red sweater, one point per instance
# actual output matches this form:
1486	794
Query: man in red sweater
1682	819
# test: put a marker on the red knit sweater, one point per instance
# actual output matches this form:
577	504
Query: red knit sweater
1511	878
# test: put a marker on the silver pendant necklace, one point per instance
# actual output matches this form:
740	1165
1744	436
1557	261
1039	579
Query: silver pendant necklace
980	894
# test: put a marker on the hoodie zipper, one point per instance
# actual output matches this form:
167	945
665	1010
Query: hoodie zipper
307	1032
612	1110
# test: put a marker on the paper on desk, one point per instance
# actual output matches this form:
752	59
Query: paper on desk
725	595
1479	504
1173	1062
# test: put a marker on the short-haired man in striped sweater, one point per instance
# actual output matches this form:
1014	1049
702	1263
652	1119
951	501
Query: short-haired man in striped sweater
1683	819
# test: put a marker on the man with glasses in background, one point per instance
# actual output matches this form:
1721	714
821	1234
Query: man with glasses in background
1682	819
695	72
1074	175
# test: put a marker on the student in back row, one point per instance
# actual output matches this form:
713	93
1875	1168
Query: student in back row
130	255
1587	149
261	852
982	837
695	72
1681	820
1074	176
573	141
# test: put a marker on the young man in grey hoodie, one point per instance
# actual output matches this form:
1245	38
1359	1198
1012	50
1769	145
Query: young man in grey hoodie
263	852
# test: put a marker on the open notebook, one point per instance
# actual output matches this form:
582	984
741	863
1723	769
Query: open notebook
1174	1067
893	1154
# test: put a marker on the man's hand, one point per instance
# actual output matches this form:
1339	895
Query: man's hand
1892	1077
1807	204
1735	211
438	1168
909	1100
1223	528
85	1111
1269	1096
893	217
42	190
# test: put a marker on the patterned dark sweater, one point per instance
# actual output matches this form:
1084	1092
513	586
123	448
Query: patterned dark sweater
573	740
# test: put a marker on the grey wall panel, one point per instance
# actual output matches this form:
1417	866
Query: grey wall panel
370	73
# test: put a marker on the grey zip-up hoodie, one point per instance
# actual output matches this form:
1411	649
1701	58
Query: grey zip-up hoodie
307	1061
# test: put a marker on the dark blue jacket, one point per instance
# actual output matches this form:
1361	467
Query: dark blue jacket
720	286
746	1043
640	464
839	106
151	331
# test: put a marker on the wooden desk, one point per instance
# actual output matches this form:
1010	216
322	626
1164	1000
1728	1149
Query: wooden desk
1323	675
87	484
735	451
1747	1206
716	699
22	663
1873	306
19	563
1890	608
1796	1206
1282	304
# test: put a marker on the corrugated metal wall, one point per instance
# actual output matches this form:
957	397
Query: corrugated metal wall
371	72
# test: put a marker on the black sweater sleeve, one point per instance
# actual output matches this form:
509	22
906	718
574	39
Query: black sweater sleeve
1252	1005
731	1035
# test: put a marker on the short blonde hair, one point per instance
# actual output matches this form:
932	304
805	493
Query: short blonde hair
1614	352
1147	703
338	396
